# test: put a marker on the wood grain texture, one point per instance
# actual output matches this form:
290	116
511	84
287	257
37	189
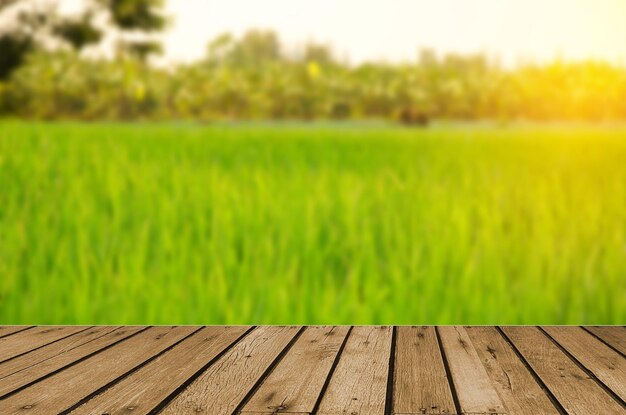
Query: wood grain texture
266	413
575	391
27	340
605	363
420	384
220	389
146	388
614	336
8	330
51	350
359	383
475	392
38	370
296	383
61	391
516	386
316	370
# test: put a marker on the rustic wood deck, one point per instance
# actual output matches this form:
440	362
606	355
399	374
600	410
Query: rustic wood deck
361	370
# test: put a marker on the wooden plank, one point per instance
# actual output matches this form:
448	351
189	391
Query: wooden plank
49	351
473	386
516	386
28	340
605	363
359	384
67	388
575	391
22	371
226	383
146	388
8	330
420	385
614	336
295	384
266	413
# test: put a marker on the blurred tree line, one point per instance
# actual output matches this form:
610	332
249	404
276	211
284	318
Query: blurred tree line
45	74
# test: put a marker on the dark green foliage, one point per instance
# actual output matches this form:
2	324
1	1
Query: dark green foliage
140	49
79	33
340	110
14	49
143	15
40	26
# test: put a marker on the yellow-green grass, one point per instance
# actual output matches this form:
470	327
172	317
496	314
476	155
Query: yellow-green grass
359	224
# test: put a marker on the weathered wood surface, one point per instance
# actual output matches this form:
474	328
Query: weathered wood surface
324	370
359	383
576	392
476	393
296	383
517	388
421	384
615	337
225	385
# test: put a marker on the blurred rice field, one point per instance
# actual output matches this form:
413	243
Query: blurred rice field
311	224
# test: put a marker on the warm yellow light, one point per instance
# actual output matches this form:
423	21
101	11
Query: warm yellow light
396	29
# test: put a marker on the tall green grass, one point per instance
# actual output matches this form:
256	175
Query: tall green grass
164	223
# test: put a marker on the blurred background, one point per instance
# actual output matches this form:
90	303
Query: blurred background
355	162
409	60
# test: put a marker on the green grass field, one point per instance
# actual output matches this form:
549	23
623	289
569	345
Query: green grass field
253	223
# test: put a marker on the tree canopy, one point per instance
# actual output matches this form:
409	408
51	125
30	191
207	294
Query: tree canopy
254	76
30	24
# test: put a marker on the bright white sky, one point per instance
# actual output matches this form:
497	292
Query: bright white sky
395	30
